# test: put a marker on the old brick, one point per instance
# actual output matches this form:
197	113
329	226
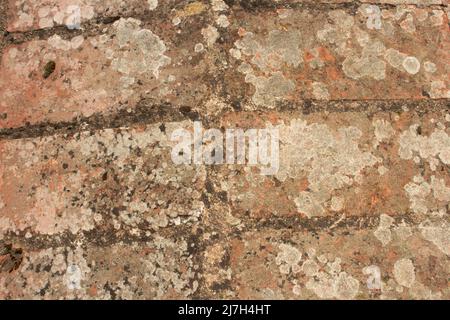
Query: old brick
113	180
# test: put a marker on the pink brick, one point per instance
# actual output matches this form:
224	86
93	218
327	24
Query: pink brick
97	74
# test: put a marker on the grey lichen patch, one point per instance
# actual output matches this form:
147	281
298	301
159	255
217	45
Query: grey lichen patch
369	64
388	230
211	35
437	232
162	268
430	67
269	56
356	65
54	271
431	199
219	5
222	21
418	191
60	44
404	272
373	15
402	61
337	203
320	91
150	208
403	231
383	233
408	24
421	292
383	131
316	62
135	50
324	277
49	212
47	14
279	48
270	90
439	89
77	201
331	161
327	279
411	65
199	47
395	58
440	191
152	4
435	146
338	32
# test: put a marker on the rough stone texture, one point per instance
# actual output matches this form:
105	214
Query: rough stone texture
93	207
321	265
326	158
24	15
258	59
355	54
55	184
125	63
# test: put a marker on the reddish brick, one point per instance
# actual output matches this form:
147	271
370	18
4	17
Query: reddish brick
92	205
111	181
159	268
285	57
307	264
127	63
24	15
345	164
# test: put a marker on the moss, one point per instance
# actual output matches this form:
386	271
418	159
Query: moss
49	69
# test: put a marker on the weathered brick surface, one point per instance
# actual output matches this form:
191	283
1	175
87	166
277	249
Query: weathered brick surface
297	263
114	70
92	205
361	190
27	15
255	59
339	164
290	55
159	268
112	179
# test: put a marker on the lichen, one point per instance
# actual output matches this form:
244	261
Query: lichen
211	35
435	146
404	272
288	259
269	56
383	233
331	282
331	161
438	233
270	90
134	50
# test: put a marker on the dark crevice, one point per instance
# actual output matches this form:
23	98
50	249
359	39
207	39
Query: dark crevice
149	112
110	236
